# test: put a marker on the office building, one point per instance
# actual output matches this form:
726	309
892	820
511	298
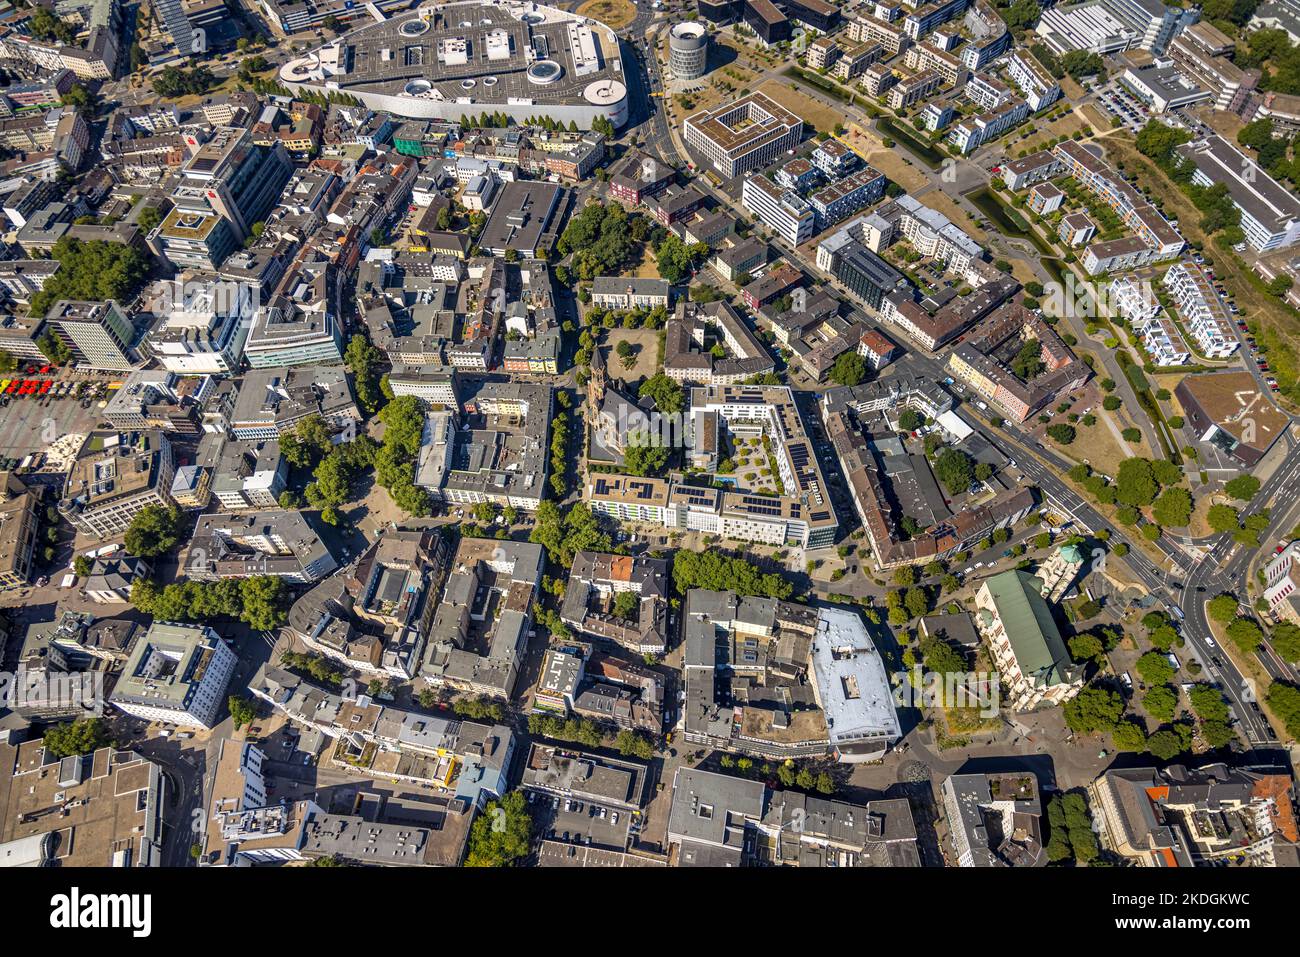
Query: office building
99	334
112	806
115	476
1270	213
744	135
176	674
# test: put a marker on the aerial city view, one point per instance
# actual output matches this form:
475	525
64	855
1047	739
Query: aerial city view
651	434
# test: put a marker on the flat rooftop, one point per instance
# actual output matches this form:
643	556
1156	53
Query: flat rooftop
852	686
746	124
474	54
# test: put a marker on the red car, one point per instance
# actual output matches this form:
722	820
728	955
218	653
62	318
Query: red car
45	386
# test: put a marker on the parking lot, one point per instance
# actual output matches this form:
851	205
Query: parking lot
1120	103
30	422
579	822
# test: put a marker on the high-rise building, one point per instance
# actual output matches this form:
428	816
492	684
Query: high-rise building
98	333
176	674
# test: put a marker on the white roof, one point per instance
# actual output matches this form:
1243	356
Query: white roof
954	425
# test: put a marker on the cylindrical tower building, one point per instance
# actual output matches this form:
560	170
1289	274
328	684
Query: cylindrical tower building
688	50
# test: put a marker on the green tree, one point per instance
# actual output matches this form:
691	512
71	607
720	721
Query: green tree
718	572
154	529
501	836
242	711
1245	633
364	360
1286	641
1093	710
1284	701
955	469
644	457
1161	702
1155	668
667	394
1061	433
1223	518
1173	507
83	736
1243	487
849	369
1222	608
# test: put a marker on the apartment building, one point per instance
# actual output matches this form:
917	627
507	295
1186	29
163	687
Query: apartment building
977	361
969	135
802	514
865	28
913	89
1038	86
1203	313
374	615
822	53
989	36
1212	816
926	56
988	92
1045	199
845	196
853	61
781	210
1075	229
468	650
689	346
1148	225
466	760
925	18
593	604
